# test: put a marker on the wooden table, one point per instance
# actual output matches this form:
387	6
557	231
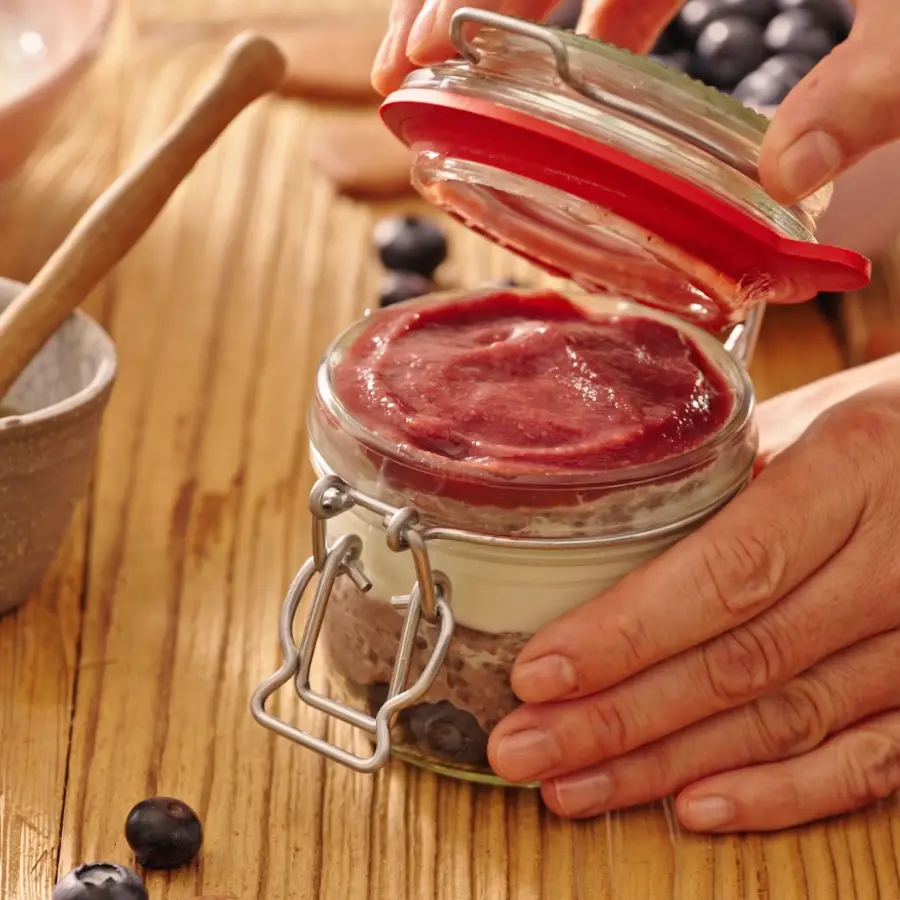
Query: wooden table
130	673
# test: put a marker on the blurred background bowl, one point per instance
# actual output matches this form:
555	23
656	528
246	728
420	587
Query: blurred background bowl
49	426
46	47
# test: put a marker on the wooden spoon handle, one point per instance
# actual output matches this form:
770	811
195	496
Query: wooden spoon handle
252	66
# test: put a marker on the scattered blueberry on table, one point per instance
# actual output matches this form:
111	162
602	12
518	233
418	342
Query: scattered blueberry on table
397	287
411	249
100	881
410	244
164	833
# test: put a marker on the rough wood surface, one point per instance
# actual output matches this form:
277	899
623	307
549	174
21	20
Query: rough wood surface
870	318
130	673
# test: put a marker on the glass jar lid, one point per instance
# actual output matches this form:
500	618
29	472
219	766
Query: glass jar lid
611	170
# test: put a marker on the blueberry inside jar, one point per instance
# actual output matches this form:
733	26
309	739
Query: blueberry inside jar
569	438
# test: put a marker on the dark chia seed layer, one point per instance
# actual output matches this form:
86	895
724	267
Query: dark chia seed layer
469	696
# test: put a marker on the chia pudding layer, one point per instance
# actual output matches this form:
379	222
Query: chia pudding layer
469	696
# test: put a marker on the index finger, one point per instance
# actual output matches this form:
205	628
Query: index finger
788	523
633	25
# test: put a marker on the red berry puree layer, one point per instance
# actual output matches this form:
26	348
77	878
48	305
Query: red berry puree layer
531	384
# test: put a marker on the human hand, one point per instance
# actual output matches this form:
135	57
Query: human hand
753	669
419	30
847	106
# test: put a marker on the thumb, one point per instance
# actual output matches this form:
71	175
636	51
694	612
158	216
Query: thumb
847	106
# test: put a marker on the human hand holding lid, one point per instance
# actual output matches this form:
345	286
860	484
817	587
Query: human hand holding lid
840	112
751	669
654	190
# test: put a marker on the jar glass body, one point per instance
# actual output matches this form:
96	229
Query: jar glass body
532	552
638	186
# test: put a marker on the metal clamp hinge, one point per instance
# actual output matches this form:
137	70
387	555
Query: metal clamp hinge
429	598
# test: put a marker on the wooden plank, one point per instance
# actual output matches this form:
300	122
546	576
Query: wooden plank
870	318
199	522
797	346
39	648
40	644
164	18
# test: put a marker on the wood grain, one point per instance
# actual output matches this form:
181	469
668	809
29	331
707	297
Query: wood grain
870	318
197	522
251	66
40	643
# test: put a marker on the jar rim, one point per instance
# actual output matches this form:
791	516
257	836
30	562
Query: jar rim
416	460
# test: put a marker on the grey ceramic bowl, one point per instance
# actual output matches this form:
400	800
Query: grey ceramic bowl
49	425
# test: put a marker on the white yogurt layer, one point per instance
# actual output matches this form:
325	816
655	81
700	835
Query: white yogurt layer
498	589
515	589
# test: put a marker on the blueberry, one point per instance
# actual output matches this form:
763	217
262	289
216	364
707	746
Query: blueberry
565	14
164	833
760	11
100	881
669	41
728	49
396	287
679	60
377	695
793	65
798	32
410	244
773	80
695	15
828	13
452	734
760	90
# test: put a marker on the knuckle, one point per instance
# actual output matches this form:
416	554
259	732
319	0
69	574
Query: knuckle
872	767
867	430
607	727
741	572
790	721
739	665
635	641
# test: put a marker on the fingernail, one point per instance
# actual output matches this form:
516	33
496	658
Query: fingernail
809	163
422	28
708	813
543	679
585	793
524	755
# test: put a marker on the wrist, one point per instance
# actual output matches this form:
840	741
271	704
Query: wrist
784	418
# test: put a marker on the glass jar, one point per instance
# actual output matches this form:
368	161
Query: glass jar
637	184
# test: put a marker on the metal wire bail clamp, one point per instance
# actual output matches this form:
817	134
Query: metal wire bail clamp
429	598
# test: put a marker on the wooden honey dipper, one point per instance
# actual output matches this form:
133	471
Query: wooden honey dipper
251	67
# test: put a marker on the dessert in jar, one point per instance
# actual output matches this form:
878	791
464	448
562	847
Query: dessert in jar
490	461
